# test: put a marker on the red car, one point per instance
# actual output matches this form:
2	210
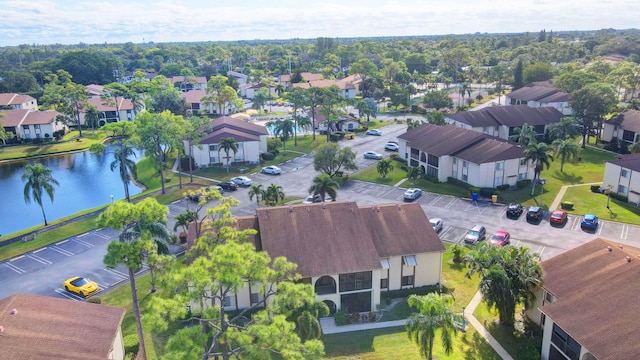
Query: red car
558	217
500	238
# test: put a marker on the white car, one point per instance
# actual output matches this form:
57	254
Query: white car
272	169
374	132
391	146
372	155
242	180
436	223
412	194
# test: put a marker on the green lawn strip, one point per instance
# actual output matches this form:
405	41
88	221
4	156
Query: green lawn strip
394	343
15	152
370	174
517	345
586	201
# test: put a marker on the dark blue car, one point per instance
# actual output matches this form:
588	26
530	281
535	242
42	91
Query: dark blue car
589	222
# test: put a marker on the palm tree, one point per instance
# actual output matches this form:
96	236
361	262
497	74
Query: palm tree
383	167
91	116
124	165
413	123
414	173
227	145
257	191
283	129
324	185
37	179
434	313
273	194
367	107
539	154
565	148
567	127
279	89
524	135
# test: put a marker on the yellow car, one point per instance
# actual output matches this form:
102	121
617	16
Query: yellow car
349	136
81	286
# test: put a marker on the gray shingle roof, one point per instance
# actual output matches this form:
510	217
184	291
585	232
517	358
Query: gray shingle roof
628	120
628	161
510	116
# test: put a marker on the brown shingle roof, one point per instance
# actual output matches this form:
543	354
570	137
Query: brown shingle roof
13	118
124	104
50	328
597	298
628	161
194	96
541	93
241	125
510	116
628	120
462	143
40	117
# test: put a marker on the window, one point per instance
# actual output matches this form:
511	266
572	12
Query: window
624	173
500	165
355	281
213	147
384	283
523	162
433	160
410	260
407	280
464	178
455	161
522	176
498	181
628	136
622	190
465	164
386	264
565	343
240	145
228	301
256	298
325	285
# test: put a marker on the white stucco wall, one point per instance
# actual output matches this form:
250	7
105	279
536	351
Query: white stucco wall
613	177
117	353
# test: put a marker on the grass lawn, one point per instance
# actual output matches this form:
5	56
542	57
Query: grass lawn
596	203
66	145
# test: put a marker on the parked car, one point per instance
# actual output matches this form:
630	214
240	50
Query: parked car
475	234
391	146
228	185
412	194
271	169
436	224
312	199
501	238
372	155
81	286
242	180
514	211
589	222
374	132
535	214
558	217
196	196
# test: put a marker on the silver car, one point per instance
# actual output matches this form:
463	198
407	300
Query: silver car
372	155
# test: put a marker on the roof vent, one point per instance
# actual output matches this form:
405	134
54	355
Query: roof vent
628	259
324	206
1	329
14	311
290	209
609	248
399	207
620	246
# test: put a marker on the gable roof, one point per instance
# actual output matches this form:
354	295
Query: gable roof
240	130
596	297
40	117
7	99
194	96
462	143
179	79
13	117
123	104
627	161
543	92
510	116
50	328
628	120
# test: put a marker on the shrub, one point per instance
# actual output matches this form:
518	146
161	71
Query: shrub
523	183
595	188
273	144
340	318
131	345
618	197
403	293
394	157
404	167
266	156
431	178
95	300
457	182
372	316
566	205
503	187
474	189
457	250
487	192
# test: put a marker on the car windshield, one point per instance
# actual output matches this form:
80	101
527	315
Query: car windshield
79	282
473	233
498	237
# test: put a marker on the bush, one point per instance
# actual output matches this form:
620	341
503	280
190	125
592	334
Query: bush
403	293
131	345
619	197
267	156
503	187
95	300
487	192
273	144
566	205
340	318
459	183
595	188
523	183
457	250
431	178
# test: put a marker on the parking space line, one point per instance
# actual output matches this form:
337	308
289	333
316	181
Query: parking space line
435	200
503	211
81	235
39	259
66	294
106	237
41	249
600	228
625	232
576	224
14	268
116	273
62	242
62	251
451	203
83	243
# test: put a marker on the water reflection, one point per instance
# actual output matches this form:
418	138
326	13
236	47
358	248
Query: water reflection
86	181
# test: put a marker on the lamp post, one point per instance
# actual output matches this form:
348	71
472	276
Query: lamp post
608	195
111	198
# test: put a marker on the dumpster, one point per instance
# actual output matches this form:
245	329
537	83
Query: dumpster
494	198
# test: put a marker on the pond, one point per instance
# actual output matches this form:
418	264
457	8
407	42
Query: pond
86	181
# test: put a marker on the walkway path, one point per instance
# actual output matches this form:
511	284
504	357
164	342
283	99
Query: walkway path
563	190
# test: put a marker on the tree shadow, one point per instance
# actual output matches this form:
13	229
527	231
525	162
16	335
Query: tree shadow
567	178
478	349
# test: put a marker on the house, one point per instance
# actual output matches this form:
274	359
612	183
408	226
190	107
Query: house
478	159
588	305
187	83
18	101
285	79
108	112
249	90
94	91
251	141
194	99
624	126
39	327
347	89
239	77
345	122
502	121
349	253
622	176
540	94
26	124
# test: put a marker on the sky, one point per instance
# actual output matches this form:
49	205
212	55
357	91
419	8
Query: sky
118	21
